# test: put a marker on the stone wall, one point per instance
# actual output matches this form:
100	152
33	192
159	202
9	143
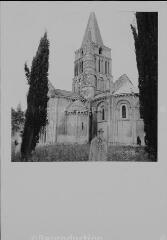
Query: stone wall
56	120
74	126
125	130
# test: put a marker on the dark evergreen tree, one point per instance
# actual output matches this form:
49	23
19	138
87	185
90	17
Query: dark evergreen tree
146	45
37	98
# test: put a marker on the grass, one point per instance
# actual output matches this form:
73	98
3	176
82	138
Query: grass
76	152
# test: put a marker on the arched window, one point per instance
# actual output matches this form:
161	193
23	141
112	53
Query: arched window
82	126
105	67
76	69
124	113
99	64
103	114
100	50
82	66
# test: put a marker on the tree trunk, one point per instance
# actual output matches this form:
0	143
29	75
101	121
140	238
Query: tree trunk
27	145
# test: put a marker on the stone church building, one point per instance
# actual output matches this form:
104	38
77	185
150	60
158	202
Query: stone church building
96	101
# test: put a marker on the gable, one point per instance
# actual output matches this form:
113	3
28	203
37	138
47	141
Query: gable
124	86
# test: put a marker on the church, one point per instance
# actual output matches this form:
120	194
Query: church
96	101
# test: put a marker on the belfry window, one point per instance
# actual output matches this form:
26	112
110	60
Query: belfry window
100	50
76	68
124	113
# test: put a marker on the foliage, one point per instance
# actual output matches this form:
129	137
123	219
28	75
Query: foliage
17	118
37	98
146	45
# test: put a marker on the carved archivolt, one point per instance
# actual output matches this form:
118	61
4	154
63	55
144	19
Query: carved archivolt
118	108
122	101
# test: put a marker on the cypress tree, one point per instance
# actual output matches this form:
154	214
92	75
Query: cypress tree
146	46
37	98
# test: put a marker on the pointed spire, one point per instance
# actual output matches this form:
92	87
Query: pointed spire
92	27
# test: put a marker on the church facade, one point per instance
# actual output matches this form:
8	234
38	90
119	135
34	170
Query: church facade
96	101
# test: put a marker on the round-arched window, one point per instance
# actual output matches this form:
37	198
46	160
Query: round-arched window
124	111
100	50
82	66
103	114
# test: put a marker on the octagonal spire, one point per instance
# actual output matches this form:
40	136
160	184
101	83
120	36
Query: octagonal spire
93	30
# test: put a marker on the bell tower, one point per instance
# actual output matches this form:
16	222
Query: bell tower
92	65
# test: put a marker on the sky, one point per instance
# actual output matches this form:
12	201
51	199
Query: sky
24	23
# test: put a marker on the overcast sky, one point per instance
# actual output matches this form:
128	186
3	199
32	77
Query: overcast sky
24	23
